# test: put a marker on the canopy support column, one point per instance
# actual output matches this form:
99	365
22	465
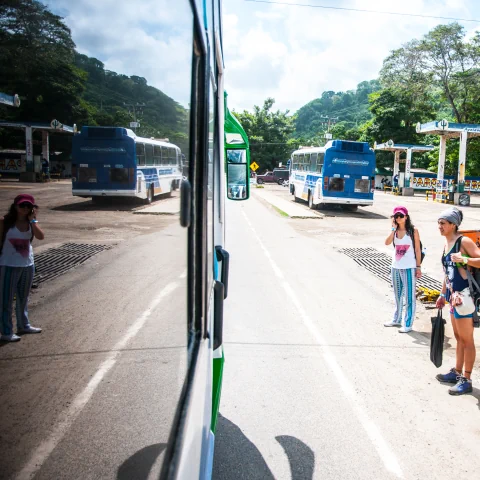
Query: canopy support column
29	148
408	166
396	163
462	158
441	157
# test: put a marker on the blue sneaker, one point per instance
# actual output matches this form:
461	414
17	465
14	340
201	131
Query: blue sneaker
450	377
464	385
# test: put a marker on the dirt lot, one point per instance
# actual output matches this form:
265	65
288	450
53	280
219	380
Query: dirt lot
66	218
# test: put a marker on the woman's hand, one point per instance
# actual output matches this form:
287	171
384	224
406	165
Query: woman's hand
440	302
457	257
418	273
32	215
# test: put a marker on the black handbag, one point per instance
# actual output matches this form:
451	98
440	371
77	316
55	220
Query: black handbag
436	340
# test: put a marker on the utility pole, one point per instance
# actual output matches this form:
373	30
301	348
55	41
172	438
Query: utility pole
328	121
136	107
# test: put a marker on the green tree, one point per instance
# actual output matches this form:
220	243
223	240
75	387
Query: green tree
441	64
36	61
269	133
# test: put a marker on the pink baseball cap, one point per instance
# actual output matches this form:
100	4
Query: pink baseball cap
400	210
24	197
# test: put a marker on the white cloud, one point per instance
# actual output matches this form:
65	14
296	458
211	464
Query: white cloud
149	39
319	49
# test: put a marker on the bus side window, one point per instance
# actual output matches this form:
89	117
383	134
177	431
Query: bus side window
164	156
300	162
307	162
140	152
313	162
149	153
295	162
321	157
157	155
172	156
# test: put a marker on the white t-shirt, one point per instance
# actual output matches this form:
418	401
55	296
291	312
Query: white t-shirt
17	249
404	253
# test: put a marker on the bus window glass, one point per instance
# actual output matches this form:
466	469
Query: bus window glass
157	155
140	151
320	160
306	162
149	154
336	184
172	156
236	156
313	162
300	162
164	156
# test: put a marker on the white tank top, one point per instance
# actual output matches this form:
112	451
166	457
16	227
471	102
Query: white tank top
404	253
17	249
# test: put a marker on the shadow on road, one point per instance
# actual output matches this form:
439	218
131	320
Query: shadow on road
103	204
300	456
237	457
139	465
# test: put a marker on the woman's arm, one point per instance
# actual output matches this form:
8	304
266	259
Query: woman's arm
469	248
36	230
418	253
389	239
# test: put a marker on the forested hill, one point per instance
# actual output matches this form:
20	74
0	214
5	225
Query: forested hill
112	95
351	107
40	63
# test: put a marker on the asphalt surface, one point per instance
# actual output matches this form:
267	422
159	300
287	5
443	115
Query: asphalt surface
314	386
94	395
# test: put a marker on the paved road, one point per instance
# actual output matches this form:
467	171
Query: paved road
94	395
315	386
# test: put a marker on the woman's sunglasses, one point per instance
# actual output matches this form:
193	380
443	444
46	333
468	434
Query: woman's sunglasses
399	215
26	205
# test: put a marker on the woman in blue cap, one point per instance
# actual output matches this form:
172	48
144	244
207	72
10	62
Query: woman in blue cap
17	230
455	260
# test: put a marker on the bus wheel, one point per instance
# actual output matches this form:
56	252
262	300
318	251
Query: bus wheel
149	198
311	205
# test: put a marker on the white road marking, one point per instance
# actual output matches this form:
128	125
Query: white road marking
43	451
384	451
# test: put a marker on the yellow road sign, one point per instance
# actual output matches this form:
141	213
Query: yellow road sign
254	166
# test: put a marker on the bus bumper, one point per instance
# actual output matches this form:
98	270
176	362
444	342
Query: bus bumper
103	193
361	202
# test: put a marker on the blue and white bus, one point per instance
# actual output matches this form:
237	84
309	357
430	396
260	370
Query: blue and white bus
114	162
342	173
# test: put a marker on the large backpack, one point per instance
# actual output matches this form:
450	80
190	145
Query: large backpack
473	277
411	234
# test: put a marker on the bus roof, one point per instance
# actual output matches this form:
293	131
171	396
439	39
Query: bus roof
120	132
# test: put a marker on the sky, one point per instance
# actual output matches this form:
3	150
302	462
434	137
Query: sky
289	52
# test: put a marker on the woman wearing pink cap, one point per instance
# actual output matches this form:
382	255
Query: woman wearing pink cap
17	230
406	268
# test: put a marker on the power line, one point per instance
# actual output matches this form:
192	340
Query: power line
363	11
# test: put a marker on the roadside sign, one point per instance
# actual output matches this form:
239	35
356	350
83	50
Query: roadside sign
55	124
134	124
328	136
254	166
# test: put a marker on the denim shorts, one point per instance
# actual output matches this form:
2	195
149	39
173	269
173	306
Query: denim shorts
457	315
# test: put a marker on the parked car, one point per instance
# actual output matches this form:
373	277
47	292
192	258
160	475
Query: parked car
277	176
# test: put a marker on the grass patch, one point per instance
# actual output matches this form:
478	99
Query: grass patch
259	186
281	212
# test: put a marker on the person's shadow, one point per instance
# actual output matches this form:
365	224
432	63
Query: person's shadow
139	465
238	457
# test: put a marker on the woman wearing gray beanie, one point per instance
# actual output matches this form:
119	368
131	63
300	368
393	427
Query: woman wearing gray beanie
456	258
